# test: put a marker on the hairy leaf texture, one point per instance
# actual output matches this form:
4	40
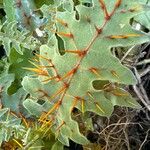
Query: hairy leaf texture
14	101
10	126
86	75
11	37
144	18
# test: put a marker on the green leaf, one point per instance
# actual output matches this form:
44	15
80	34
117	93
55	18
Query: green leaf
33	107
11	101
85	74
40	3
58	146
10	10
11	37
144	19
126	101
3	111
9	126
15	66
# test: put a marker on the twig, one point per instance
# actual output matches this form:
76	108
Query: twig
127	53
136	90
144	72
127	140
126	136
116	124
141	93
142	48
144	140
145	61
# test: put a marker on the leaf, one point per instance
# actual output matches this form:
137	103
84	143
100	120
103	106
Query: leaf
27	15
9	9
127	101
40	3
11	101
3	111
144	19
33	107
15	66
57	146
36	109
11	37
9	126
69	76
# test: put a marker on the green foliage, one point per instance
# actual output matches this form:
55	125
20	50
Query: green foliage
73	69
40	3
86	76
9	126
144	18
27	15
11	129
16	62
11	37
13	102
10	10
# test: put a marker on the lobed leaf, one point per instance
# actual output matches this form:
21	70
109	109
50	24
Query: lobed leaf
84	74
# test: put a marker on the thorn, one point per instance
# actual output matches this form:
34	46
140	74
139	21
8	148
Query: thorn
36	60
118	93
114	73
62	22
51	78
51	110
107	86
18	143
73	71
103	6
46	123
59	92
50	62
46	66
95	71
68	35
74	103
40	56
118	3
66	85
24	120
90	95
82	105
79	52
123	36
38	71
12	113
42	116
34	64
63	123
99	30
98	106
